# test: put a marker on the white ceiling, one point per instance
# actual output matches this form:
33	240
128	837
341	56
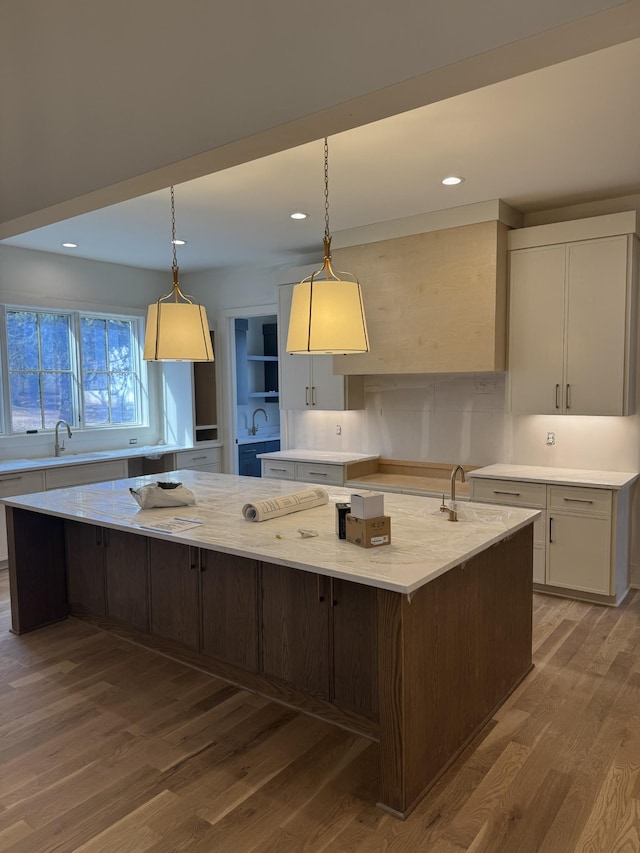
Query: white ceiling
563	135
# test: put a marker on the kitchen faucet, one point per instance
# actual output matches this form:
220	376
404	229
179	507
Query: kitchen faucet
451	509
60	447
254	428
463	479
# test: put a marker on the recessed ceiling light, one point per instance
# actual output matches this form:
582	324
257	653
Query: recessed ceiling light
69	245
299	215
178	242
452	180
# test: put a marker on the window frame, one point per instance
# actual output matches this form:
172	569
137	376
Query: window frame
139	369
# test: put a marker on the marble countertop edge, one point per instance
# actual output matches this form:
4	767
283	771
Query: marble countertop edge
424	544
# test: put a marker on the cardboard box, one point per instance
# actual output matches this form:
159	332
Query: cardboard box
367	504
368	532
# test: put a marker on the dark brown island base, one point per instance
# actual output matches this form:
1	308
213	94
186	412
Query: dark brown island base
417	661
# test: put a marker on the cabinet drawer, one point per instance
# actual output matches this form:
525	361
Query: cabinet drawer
575	499
278	470
311	472
198	457
23	483
78	475
509	492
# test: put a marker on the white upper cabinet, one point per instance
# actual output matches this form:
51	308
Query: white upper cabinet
572	325
307	382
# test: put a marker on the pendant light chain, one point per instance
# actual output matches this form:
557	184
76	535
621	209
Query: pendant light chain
326	188
173	229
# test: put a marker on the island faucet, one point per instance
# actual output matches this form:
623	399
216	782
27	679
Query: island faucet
254	428
463	479
451	509
60	447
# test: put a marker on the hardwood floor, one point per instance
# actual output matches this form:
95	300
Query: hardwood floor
108	748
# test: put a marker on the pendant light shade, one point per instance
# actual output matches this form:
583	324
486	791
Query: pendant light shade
327	315
177	327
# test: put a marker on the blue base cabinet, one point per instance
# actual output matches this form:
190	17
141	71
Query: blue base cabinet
248	463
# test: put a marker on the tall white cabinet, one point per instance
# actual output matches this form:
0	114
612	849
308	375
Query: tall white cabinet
307	382
572	317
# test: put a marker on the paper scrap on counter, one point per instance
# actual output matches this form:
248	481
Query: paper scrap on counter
170	525
284	504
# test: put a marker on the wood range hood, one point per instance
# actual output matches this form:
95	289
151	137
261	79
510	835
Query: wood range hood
435	302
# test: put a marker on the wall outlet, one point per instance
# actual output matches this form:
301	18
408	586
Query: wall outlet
133	441
551	438
338	429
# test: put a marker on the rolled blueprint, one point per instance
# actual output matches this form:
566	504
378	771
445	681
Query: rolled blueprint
284	504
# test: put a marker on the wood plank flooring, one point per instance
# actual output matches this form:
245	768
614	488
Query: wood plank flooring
108	748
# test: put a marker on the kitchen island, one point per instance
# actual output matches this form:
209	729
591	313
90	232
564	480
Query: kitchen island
414	644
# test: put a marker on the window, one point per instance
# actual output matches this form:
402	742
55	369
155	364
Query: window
85	369
40	369
109	381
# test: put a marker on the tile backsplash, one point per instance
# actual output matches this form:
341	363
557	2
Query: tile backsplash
462	418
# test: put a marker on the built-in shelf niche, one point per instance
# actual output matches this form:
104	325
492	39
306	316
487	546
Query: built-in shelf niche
256	372
205	399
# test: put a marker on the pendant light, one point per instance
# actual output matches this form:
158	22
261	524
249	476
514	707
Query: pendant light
327	315
177	327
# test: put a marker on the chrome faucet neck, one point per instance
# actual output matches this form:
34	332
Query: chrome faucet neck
60	447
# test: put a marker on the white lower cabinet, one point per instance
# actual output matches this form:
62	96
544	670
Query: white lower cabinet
581	540
304	472
24	483
87	472
579	550
200	459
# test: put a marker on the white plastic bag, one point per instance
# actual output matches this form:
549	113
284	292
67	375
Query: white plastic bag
163	494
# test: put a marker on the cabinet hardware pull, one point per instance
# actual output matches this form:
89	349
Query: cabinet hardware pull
197	458
98	536
578	500
278	469
513	494
550	536
319	473
6	479
306	395
557	390
313	395
105	537
567	398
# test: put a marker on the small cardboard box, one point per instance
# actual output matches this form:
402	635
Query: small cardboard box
368	532
367	504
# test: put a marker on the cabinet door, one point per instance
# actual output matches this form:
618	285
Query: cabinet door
597	336
229	608
295	370
579	553
327	390
22	483
355	647
536	329
126	572
174	588
85	568
295	628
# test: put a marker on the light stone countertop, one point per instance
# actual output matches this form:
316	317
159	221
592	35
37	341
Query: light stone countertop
15	466
424	544
559	476
330	457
